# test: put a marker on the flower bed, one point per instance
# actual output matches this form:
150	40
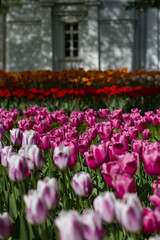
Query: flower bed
78	78
89	175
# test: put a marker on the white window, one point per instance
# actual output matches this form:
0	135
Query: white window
71	40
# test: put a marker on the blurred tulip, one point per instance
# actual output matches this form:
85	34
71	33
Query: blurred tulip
5	153
149	221
17	167
5	225
29	137
73	231
16	136
49	189
82	184
128	163
104	206
129	212
61	157
36	208
124	184
92	226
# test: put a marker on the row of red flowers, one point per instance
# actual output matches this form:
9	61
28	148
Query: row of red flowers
58	93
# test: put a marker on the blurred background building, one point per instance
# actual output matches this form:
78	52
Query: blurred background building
89	34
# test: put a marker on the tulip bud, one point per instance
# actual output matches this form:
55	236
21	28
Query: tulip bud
5	226
16	136
149	221
146	134
124	184
34	157
92	226
82	184
129	163
129	213
29	137
100	152
73	231
90	160
49	189
44	141
104	206
61	157
36	212
5	152
17	167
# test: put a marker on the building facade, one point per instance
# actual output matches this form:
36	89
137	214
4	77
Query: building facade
89	34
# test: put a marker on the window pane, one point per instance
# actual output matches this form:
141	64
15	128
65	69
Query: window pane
75	53
67	45
67	36
75	44
75	27
67	27
67	53
75	36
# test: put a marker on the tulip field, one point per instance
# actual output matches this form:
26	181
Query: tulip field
80	155
86	175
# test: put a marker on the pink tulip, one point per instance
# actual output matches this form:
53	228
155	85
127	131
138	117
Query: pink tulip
149	221
27	113
100	152
82	184
124	184
90	160
83	145
34	109
109	171
129	163
146	134
44	141
157	216
133	132
151	159
103	113
116	123
140	124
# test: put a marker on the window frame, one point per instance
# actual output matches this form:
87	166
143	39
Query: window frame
71	32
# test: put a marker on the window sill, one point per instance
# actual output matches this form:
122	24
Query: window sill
71	59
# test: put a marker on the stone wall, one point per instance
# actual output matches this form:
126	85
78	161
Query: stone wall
109	36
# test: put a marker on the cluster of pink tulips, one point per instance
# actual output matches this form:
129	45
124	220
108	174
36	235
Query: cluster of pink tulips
87	176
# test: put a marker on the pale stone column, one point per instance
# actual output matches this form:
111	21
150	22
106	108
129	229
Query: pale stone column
153	44
91	53
46	37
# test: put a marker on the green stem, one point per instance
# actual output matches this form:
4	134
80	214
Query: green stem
22	193
5	175
14	195
65	189
81	203
33	180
